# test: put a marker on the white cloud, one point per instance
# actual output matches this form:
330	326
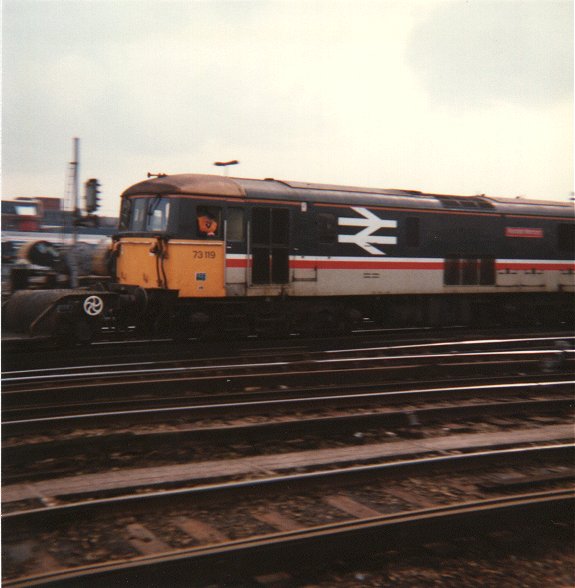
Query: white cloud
484	52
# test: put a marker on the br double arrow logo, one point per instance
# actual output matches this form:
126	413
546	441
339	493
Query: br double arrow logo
366	238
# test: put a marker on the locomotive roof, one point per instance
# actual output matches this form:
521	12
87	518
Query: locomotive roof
271	189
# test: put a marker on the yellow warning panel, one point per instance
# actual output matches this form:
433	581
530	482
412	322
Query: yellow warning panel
136	262
196	268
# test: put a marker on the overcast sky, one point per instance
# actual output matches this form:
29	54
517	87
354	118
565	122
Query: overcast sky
457	96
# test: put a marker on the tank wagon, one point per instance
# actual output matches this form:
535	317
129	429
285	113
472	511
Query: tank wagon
198	254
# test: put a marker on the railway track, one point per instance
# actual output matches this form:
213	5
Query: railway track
177	479
208	357
204	430
123	387
152	351
260	526
25	355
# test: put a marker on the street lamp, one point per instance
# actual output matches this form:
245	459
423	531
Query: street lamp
225	164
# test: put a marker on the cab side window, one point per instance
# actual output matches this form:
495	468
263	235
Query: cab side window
209	221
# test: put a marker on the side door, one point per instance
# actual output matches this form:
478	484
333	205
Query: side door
270	245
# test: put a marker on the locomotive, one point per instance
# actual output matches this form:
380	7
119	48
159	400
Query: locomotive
200	254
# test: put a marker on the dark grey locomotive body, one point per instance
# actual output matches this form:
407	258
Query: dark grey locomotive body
303	251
